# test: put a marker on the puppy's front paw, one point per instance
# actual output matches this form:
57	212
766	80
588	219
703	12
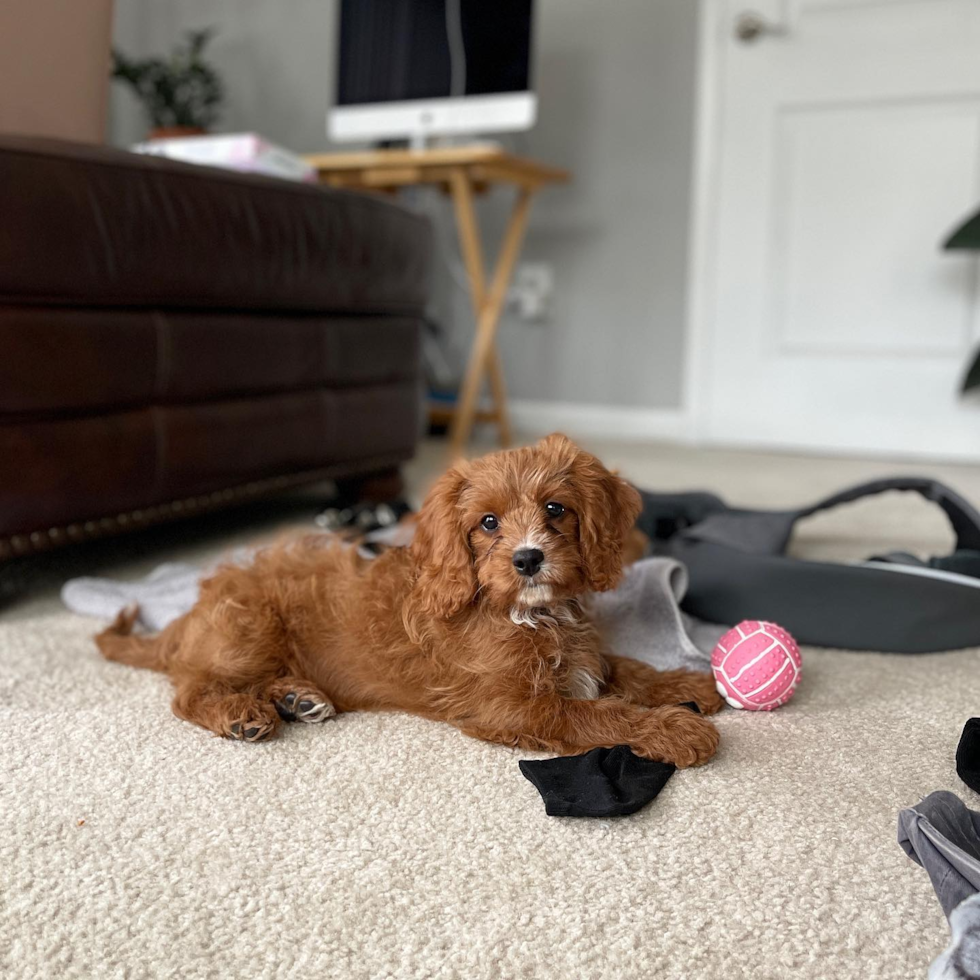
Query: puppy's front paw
676	735
701	689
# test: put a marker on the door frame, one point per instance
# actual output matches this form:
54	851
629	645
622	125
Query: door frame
704	200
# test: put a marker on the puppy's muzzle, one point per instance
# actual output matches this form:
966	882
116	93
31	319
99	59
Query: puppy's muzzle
528	561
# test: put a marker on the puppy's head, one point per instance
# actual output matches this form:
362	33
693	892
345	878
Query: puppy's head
522	529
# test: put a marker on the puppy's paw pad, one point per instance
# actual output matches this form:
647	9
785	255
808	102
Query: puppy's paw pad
305	706
252	730
314	711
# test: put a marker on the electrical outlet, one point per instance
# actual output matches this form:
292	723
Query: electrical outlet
531	292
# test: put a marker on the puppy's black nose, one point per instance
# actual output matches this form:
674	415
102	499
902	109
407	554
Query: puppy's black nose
528	560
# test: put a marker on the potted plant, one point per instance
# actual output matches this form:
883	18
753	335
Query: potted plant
967	236
181	94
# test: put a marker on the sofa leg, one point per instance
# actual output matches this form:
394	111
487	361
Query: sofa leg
372	488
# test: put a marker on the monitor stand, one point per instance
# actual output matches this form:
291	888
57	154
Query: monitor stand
427	141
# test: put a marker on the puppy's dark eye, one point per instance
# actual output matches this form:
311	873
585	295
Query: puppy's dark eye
489	523
554	509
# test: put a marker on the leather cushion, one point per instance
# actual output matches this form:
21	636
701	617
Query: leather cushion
96	226
60	471
58	359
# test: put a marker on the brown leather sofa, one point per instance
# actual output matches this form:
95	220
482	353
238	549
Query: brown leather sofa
175	338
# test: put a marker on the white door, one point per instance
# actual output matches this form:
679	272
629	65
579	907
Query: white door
839	148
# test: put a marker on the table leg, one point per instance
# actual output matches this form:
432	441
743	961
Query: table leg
487	307
498	392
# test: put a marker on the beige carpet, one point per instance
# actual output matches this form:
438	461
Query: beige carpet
133	845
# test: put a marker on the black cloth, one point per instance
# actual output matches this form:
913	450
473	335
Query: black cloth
739	569
601	783
968	755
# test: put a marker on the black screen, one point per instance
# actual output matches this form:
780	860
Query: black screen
393	50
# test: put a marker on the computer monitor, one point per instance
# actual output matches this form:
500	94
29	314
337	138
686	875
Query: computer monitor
422	68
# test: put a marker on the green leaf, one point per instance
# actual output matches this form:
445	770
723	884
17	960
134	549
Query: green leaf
967	236
181	89
972	379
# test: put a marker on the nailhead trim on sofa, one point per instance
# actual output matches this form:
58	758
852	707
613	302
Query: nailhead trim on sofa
34	542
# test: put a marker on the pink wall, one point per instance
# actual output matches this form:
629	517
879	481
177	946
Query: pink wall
54	67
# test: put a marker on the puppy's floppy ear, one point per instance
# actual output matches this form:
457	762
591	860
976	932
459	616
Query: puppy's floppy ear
608	508
560	448
446	579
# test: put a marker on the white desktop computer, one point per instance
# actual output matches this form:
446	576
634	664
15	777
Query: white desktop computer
420	69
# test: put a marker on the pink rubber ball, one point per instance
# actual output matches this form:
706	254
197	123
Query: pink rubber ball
757	666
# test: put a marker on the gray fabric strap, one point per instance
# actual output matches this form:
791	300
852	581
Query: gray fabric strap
768	532
963	516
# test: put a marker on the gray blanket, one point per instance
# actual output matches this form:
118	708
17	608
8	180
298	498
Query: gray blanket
641	619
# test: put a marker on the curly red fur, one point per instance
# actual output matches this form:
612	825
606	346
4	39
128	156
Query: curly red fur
447	628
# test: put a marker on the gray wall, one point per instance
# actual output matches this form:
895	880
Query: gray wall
616	85
275	57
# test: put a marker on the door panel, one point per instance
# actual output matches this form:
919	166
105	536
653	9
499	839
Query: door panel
856	193
847	146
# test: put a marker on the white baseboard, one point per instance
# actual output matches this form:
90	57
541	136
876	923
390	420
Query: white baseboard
600	421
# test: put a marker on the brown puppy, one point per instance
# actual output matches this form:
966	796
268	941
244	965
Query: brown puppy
477	623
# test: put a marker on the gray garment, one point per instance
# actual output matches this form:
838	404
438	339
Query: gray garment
942	835
163	596
168	592
739	570
640	619
961	958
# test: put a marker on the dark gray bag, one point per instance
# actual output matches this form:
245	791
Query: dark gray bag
738	569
